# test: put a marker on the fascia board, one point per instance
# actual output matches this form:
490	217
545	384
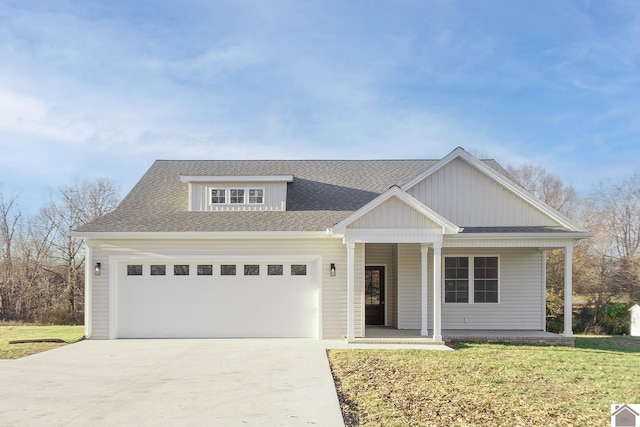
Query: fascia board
238	235
567	235
516	189
240	178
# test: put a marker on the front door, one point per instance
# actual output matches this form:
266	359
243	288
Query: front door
374	295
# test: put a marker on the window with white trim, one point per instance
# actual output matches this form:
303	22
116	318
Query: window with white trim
473	279
256	196
218	196
236	196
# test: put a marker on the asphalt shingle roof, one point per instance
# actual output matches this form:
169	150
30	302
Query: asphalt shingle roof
323	193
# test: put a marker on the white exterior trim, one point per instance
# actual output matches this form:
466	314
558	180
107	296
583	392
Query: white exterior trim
393	235
237	178
447	226
459	152
471	285
88	291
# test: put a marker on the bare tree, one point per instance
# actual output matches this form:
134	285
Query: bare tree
547	187
10	221
78	204
618	206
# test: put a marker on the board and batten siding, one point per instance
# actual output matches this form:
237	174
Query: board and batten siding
275	196
334	289
521	305
385	254
394	213
469	198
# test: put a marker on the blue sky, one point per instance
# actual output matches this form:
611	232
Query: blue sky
103	88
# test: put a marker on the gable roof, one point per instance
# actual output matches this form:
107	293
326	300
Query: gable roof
320	194
447	226
502	177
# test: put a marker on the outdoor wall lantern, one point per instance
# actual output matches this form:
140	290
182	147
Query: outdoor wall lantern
97	269
332	270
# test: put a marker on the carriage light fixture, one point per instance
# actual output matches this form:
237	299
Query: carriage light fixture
97	269
332	270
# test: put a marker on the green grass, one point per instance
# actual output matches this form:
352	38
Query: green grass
489	384
21	332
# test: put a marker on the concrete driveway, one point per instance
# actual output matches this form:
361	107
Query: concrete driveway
172	382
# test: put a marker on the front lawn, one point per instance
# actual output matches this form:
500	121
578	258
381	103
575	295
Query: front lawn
489	384
25	332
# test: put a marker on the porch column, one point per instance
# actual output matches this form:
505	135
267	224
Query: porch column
568	289
351	279
424	251
437	293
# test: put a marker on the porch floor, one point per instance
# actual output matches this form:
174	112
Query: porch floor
384	334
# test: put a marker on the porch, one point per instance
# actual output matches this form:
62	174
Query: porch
389	335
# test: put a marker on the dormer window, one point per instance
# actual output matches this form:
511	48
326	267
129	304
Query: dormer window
256	196
236	196
218	197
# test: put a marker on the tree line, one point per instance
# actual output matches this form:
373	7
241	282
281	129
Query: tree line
42	265
606	267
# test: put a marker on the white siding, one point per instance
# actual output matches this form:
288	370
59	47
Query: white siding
521	303
275	196
409	287
333	298
381	254
469	198
394	213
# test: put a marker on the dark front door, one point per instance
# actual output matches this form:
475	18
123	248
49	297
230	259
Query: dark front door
374	295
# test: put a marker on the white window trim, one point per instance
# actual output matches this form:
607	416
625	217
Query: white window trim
471	278
227	196
248	202
211	190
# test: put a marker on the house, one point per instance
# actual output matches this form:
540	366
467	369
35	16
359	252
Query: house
623	416
323	249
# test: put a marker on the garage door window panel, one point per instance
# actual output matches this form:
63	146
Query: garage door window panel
251	270
181	270
205	270
275	270
228	270
298	269
158	270
134	270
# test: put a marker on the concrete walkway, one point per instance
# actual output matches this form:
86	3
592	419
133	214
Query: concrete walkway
241	382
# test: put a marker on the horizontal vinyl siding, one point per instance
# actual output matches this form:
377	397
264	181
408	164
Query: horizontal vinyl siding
409	287
521	303
469	198
334	296
275	196
394	213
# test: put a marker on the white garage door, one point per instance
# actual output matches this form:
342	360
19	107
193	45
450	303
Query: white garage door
160	299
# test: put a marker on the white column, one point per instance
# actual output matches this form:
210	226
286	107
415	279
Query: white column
544	289
437	291
351	279
88	288
568	290
424	251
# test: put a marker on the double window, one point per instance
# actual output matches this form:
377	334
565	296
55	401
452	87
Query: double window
471	279
237	196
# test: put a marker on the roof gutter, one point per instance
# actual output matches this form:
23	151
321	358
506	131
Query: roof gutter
217	235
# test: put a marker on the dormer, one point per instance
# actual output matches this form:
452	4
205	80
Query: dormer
237	193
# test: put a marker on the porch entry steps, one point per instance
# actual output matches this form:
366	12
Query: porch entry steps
388	335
